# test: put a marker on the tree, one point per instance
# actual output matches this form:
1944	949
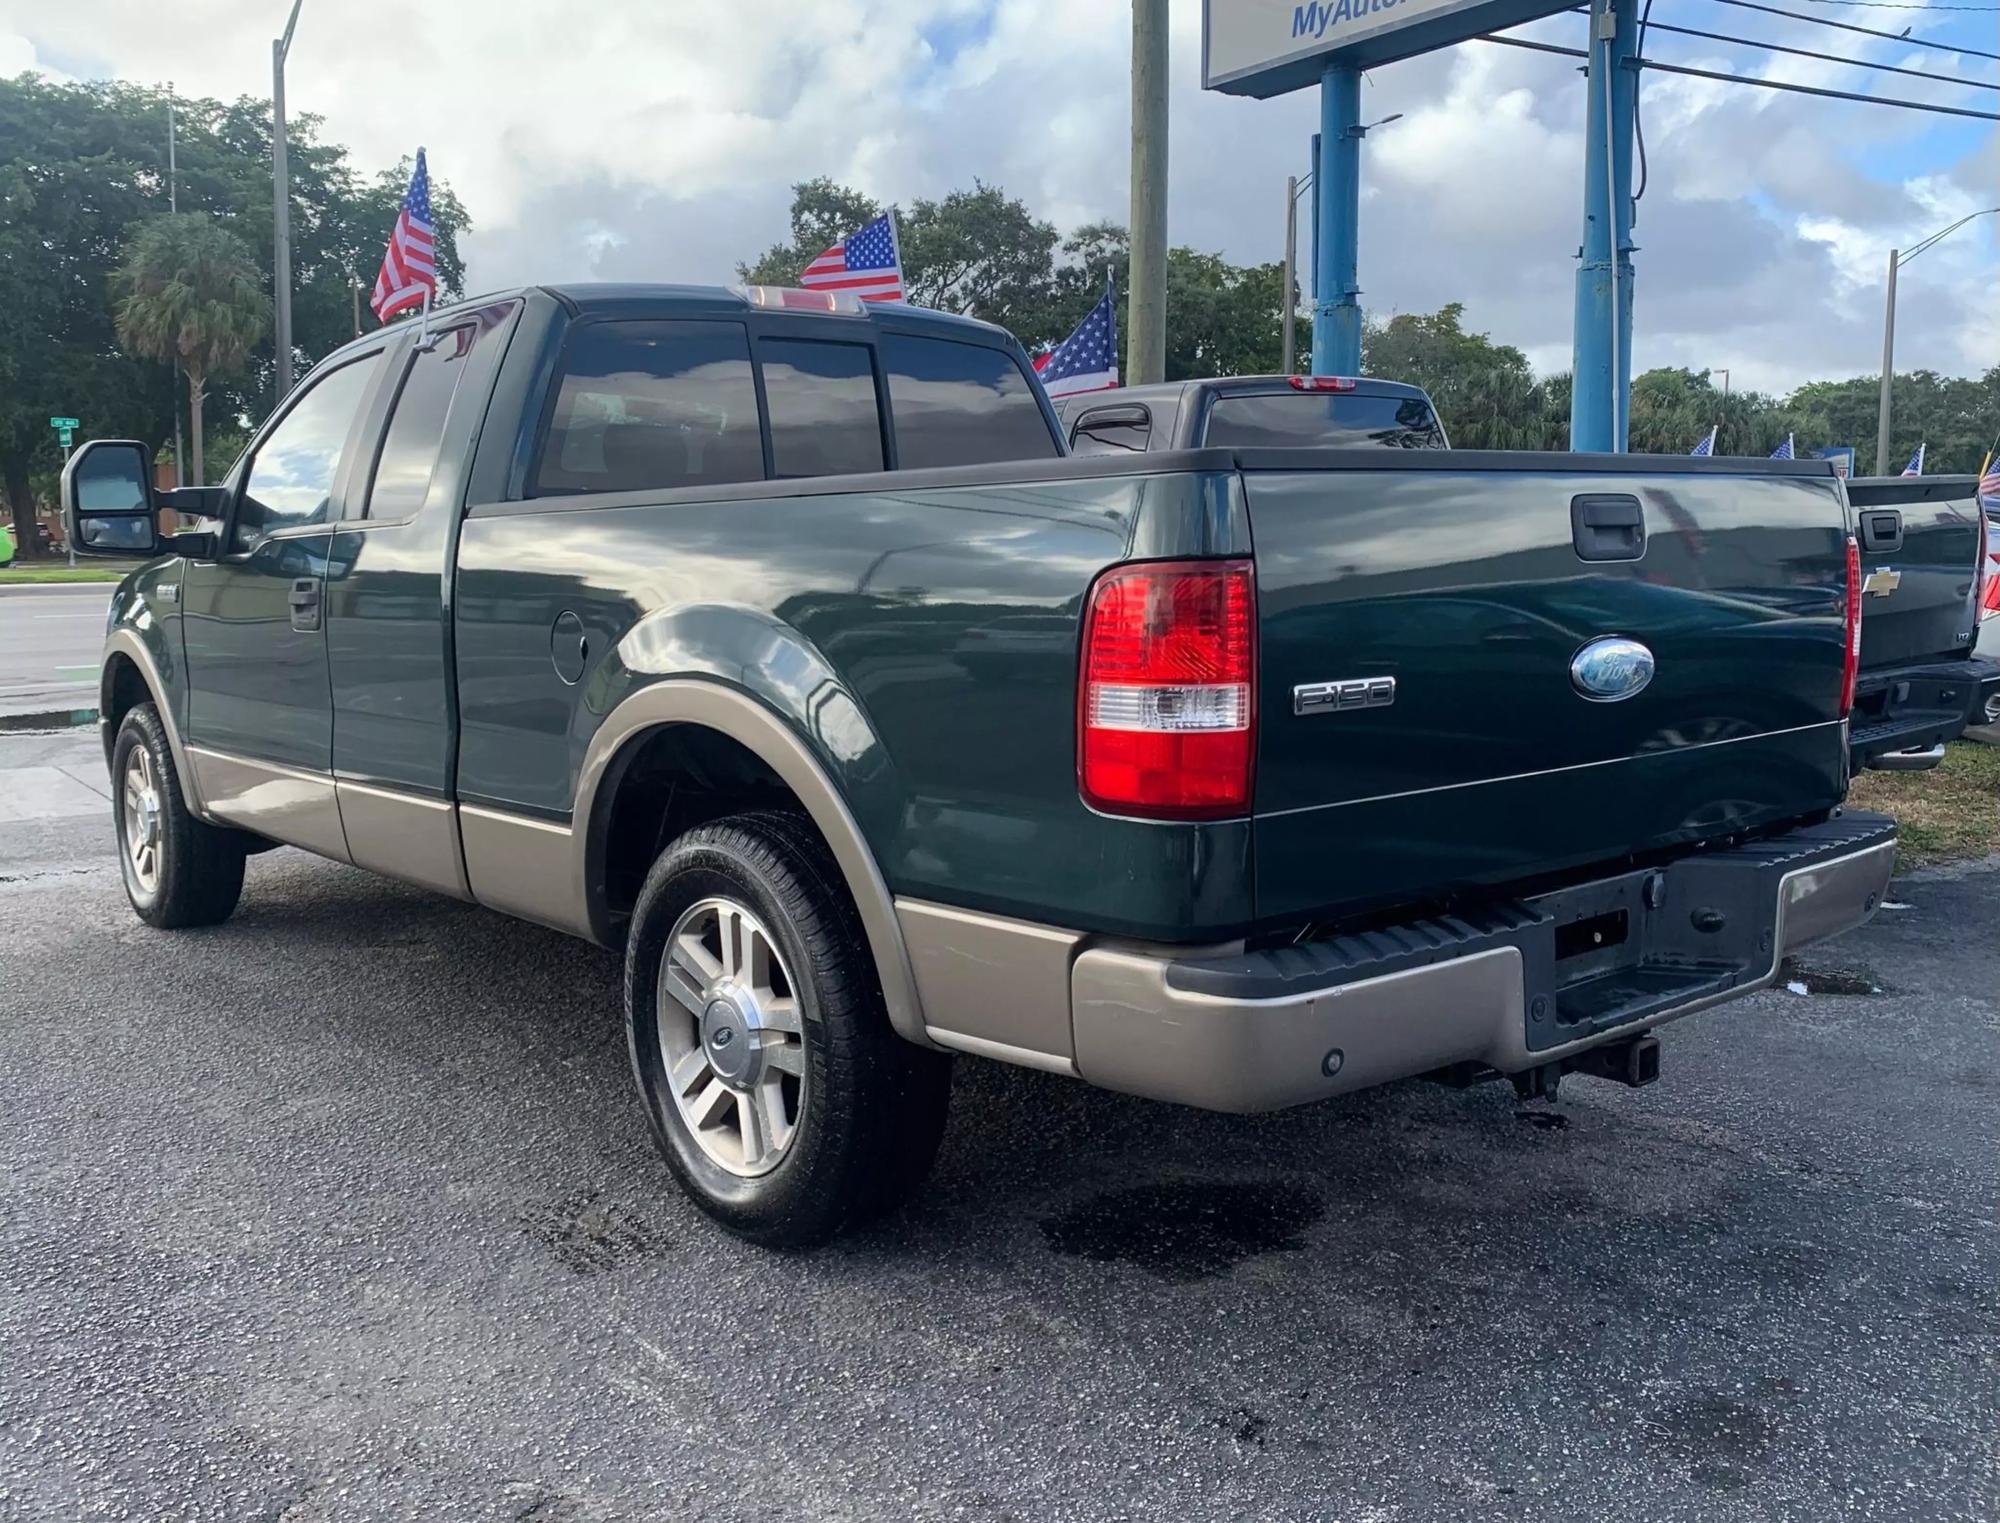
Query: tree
980	252
81	166
188	295
823	213
1485	392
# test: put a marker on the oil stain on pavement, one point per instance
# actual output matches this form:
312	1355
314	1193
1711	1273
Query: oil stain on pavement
1187	1230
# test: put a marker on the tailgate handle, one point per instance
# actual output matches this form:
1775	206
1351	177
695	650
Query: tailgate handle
1607	526
1882	530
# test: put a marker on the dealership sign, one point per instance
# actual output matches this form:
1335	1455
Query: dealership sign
1266	47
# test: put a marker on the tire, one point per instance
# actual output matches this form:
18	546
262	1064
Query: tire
835	1118
178	871
1989	711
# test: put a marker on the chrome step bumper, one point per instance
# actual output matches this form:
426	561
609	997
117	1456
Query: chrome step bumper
1510	987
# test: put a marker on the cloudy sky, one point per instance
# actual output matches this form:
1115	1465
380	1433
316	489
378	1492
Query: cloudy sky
659	141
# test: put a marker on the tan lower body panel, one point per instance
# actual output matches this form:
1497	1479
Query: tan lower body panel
991	985
403	835
523	866
278	802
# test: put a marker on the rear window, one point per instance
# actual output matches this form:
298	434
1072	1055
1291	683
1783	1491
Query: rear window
1322	419
824	418
961	404
653	406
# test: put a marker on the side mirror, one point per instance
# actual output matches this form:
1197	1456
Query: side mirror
107	499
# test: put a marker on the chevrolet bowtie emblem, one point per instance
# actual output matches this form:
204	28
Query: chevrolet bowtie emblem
1881	583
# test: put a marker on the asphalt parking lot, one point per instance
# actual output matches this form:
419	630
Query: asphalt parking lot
344	1210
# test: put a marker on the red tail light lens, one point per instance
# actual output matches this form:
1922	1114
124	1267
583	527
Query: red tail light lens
1166	722
1852	670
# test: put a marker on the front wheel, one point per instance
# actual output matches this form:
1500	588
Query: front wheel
178	871
776	1090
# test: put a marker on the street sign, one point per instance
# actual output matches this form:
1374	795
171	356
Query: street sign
65	424
1842	456
1267	47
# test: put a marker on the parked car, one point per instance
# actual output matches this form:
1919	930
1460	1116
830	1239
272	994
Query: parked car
1925	552
773	639
1253	412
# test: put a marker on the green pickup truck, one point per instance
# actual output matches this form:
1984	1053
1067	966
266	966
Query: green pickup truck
777	641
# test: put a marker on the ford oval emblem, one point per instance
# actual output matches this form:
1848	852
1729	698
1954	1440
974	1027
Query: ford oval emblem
1611	668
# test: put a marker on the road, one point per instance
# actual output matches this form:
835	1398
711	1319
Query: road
50	640
344	1210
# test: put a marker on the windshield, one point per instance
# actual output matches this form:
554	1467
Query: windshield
1323	419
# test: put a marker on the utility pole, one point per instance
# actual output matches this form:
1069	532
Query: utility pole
1336	261
1146	325
1888	369
281	210
173	206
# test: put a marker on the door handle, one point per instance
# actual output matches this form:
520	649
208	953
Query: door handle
1882	531
304	598
1607	526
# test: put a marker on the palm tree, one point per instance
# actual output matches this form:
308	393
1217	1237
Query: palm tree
190	294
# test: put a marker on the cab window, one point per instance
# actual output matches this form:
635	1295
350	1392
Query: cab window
961	404
824	417
415	436
290	482
652	405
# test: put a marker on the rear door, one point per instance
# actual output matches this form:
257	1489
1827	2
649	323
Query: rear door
1446	605
1920	553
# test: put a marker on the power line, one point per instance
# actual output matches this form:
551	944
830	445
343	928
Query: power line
1905	5
1745	79
1865	31
1857	63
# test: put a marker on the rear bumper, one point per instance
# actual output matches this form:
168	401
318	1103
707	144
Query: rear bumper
1903	715
1517	986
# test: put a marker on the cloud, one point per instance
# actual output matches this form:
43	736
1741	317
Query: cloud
660	142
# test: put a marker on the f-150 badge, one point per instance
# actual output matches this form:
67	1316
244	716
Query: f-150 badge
1883	582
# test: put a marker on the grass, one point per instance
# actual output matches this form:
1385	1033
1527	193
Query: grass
37	572
1950	814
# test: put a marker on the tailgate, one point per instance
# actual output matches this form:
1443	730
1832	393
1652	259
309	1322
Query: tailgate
1458	576
1919	551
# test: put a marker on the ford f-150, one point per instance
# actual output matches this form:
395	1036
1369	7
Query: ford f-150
777	641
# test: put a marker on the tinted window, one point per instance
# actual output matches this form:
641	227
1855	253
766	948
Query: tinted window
1328	419
1120	431
291	480
653	405
416	427
824	421
961	404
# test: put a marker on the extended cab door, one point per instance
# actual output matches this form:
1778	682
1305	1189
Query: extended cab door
388	626
260	715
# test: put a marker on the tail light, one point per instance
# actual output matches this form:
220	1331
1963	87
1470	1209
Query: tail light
1166	715
1322	382
1852	669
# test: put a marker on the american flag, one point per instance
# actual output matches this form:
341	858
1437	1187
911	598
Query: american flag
409	265
1989	485
1707	445
1916	465
1783	451
867	263
1088	359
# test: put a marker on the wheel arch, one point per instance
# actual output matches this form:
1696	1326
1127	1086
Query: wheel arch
130	676
704	705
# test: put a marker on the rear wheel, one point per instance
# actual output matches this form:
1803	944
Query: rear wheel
178	871
1990	709
776	1090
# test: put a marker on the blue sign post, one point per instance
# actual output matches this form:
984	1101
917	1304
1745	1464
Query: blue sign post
1336	238
1602	337
1269	47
